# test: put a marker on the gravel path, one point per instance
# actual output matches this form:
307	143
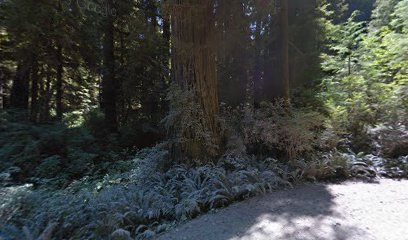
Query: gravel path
351	210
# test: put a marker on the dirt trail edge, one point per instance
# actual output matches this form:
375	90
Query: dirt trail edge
351	210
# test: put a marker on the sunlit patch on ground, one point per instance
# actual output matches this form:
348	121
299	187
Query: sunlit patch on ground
354	210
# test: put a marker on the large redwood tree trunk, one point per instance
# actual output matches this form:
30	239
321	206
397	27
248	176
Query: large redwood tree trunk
194	69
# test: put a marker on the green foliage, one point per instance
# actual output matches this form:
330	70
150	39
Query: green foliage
54	154
371	89
371	166
391	142
382	13
325	166
50	167
400	17
274	127
396	168
135	202
94	121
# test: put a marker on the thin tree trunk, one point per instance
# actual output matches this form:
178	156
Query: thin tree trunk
34	92
41	97
46	97
1	96
285	49
166	32
258	84
123	110
20	87
59	83
108	98
168	61
59	69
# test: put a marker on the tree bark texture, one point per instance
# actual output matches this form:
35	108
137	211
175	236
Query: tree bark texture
194	69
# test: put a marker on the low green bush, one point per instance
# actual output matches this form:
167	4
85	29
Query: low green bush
274	127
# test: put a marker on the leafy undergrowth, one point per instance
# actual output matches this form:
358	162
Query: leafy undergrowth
388	156
145	201
54	154
146	197
140	203
372	166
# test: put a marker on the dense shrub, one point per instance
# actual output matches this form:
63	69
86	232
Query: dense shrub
275	128
325	166
390	141
54	154
372	166
366	78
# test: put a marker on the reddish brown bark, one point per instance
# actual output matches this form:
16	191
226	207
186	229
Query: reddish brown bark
194	69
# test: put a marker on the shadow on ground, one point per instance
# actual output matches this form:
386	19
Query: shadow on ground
306	212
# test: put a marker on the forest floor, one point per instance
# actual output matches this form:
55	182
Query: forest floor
350	210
